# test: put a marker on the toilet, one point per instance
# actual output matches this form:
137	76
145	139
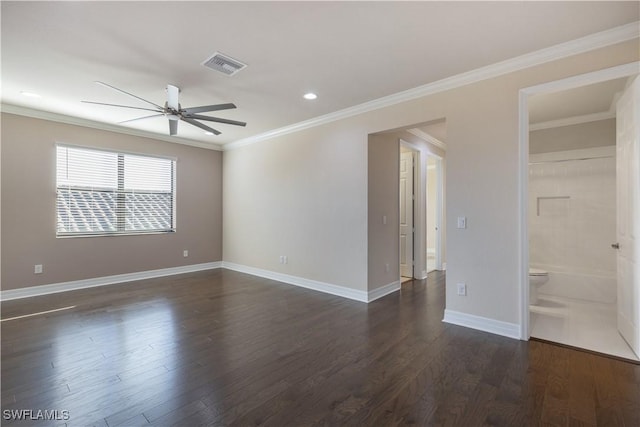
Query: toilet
537	278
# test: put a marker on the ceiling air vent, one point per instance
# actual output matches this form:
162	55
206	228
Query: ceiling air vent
224	64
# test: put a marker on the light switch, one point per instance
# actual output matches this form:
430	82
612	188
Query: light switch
462	222
462	289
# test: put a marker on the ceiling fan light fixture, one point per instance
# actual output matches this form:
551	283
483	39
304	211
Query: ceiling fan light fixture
174	112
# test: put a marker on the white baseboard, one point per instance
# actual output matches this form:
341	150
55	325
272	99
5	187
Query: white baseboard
510	330
383	291
315	285
33	291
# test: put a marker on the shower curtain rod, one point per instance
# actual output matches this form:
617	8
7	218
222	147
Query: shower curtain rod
571	160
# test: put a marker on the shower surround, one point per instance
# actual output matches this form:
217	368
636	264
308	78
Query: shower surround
572	222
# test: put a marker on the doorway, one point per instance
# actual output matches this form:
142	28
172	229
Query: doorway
580	293
434	197
408	183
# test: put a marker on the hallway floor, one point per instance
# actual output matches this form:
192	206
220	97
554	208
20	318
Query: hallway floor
583	324
431	263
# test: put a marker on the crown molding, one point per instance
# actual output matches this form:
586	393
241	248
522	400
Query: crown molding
584	44
78	121
428	138
576	120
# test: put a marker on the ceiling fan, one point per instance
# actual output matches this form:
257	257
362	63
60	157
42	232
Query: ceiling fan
174	112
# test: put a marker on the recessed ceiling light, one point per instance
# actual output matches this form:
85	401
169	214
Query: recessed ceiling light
208	133
30	94
310	96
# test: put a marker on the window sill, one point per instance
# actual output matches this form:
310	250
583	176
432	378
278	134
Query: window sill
73	236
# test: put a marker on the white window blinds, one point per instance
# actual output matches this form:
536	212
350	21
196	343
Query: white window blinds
105	193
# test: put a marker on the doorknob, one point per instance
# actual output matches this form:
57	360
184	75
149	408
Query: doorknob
615	245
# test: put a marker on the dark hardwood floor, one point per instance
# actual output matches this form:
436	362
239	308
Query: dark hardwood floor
224	348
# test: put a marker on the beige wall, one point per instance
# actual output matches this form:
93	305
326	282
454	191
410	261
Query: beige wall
302	196
383	200
584	135
29	218
482	184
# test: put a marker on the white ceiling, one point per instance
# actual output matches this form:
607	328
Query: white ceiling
438	130
346	52
579	102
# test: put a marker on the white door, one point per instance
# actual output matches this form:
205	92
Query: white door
406	214
628	215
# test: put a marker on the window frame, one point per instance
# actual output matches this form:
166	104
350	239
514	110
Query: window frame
120	194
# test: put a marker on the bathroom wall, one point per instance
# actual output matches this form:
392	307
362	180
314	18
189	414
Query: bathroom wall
572	222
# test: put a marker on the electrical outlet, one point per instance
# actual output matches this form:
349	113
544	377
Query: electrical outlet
462	289
286	259
185	253
281	259
37	269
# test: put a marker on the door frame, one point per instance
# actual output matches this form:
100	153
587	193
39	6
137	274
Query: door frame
418	208
628	242
625	70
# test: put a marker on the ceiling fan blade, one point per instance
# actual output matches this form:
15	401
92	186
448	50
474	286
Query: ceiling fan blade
216	119
123	106
173	127
142	118
130	94
205	108
172	97
201	126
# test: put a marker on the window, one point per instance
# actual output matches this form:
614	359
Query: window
108	193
